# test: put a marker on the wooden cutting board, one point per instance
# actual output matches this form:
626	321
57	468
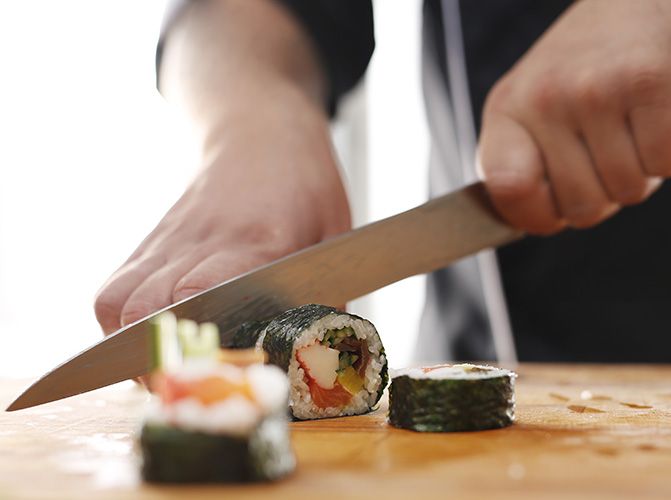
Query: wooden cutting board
602	431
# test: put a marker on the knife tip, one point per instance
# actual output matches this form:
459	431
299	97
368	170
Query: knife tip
14	406
20	403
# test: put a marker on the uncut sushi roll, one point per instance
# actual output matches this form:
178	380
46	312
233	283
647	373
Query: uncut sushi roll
451	398
335	361
212	421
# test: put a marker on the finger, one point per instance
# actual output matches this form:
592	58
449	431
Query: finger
113	295
580	194
613	152
215	269
651	127
514	174
155	292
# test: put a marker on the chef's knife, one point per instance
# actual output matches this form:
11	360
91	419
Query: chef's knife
335	271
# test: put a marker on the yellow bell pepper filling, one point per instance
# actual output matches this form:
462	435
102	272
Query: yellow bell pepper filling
350	380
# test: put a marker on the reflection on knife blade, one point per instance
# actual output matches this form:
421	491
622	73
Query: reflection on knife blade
333	272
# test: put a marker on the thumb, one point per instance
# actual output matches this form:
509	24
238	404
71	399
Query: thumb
512	167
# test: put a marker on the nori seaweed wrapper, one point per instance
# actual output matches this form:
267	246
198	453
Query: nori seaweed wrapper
452	404
172	455
248	334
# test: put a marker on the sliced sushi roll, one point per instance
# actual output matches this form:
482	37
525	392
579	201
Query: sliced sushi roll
449	398
249	335
335	361
212	421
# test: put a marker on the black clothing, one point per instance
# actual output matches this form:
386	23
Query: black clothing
342	31
602	294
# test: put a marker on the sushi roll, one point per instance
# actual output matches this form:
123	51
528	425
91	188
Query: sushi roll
335	361
212	421
450	398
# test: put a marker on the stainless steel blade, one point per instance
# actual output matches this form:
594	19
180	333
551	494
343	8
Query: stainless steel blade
333	272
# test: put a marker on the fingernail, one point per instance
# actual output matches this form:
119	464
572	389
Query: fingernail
610	210
652	185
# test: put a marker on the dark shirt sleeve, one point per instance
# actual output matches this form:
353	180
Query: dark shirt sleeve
343	34
341	30
172	11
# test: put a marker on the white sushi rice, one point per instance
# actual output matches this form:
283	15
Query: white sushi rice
236	415
300	399
458	372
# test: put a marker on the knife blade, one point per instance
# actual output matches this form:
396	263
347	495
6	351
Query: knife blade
420	240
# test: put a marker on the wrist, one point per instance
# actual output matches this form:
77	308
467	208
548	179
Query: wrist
263	102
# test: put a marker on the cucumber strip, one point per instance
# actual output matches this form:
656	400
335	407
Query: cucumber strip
187	333
346	359
198	341
164	347
210	339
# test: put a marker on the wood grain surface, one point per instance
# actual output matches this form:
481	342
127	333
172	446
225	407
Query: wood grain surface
581	431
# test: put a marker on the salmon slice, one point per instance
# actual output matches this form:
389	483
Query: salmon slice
327	398
208	390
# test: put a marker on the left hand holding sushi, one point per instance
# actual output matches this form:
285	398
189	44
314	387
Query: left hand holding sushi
580	125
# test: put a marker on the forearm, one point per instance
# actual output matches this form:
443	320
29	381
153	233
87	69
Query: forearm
227	58
246	76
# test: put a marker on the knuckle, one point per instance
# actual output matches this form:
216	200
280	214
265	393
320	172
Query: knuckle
134	310
277	247
547	93
272	239
646	81
511	188
499	96
513	185
106	309
591	91
191	285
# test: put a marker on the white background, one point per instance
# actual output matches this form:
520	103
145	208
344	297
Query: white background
91	157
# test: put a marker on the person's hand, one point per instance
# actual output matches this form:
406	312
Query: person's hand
271	187
245	75
581	125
